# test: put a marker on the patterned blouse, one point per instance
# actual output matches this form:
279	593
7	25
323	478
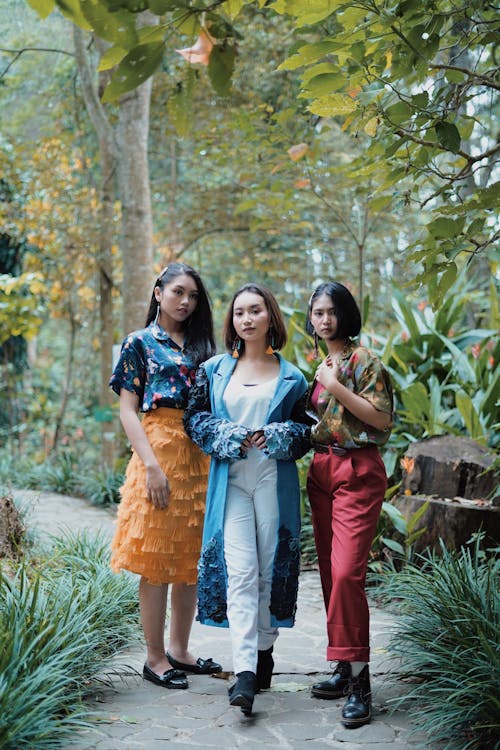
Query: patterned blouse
155	368
362	372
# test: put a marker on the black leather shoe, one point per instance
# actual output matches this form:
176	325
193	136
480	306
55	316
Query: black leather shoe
358	707
243	691
202	666
171	679
265	664
336	685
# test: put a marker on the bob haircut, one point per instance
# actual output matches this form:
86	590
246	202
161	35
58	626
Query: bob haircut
277	330
198	328
345	307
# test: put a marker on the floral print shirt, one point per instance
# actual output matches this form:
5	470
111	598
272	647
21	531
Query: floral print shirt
154	367
362	372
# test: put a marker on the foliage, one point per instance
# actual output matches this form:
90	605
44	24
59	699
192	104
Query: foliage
446	635
417	80
420	80
102	485
395	535
60	622
443	367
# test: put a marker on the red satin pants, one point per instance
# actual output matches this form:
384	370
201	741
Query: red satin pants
346	494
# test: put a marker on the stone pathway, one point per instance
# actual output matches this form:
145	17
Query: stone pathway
135	715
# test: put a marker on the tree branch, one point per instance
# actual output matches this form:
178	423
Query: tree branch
18	52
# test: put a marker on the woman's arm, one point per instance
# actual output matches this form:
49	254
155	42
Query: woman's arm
215	436
327	375
157	486
289	440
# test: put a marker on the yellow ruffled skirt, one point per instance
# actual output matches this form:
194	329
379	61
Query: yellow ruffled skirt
163	545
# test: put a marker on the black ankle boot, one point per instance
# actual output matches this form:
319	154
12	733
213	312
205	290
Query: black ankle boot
336	685
243	691
265	664
358	707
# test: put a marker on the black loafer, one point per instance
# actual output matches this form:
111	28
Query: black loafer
171	679
202	666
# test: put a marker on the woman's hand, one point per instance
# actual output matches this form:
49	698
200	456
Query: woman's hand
327	374
259	440
157	487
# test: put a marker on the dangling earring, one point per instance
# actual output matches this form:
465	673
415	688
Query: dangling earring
157	314
316	346
236	347
270	348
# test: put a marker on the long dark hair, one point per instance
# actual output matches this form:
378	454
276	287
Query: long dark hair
345	306
277	330
198	328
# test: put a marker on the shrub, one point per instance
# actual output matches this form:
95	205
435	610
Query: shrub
447	636
60	620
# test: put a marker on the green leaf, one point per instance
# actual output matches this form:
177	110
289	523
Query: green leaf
322	85
469	415
134	69
416	401
443	228
42	7
118	27
448	136
310	53
332	104
72	9
111	57
221	67
306	11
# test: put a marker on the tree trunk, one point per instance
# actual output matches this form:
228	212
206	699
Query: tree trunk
133	186
107	155
455	476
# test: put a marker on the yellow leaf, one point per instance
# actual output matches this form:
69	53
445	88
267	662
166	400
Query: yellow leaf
297	152
371	127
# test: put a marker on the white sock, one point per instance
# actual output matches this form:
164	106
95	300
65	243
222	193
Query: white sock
357	667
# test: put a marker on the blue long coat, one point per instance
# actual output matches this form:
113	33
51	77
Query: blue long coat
287	433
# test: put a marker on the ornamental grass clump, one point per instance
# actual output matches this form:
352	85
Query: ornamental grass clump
447	637
61	619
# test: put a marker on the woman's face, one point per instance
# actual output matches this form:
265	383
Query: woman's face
250	317
323	318
178	299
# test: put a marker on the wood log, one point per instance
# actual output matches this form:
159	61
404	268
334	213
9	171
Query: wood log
11	530
449	466
455	475
452	521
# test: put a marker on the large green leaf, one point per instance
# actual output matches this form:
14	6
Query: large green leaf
72	9
221	67
134	69
448	136
118	27
42	7
307	11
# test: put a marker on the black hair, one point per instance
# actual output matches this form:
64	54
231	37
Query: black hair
198	328
277	329
345	307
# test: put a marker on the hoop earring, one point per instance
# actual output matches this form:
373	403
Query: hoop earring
316	346
236	347
157	314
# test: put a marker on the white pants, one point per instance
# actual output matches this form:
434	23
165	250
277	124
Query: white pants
250	538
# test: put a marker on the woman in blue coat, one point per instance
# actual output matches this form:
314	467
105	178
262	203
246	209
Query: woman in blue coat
248	412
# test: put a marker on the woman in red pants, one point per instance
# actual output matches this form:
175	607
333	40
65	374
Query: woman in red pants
352	398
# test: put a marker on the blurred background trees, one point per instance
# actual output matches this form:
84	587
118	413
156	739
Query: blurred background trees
319	141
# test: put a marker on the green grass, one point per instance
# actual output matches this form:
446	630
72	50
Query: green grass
62	617
447	635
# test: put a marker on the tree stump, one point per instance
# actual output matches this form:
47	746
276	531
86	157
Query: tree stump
455	475
11	530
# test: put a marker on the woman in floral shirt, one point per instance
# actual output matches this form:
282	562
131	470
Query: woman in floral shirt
160	517
352	398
